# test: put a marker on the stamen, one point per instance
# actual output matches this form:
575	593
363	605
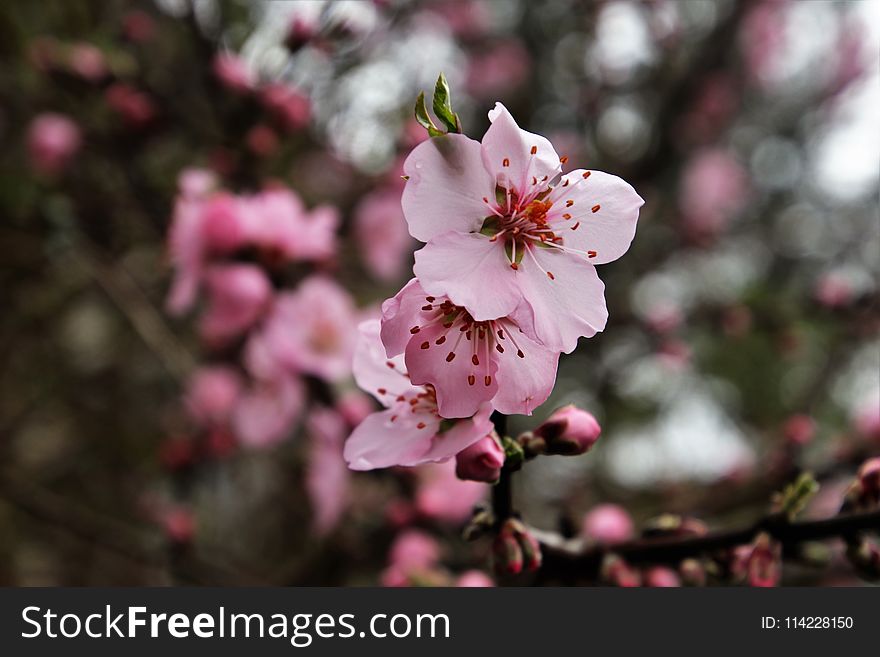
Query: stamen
499	348
591	254
575	227
586	174
421	425
475	360
414	330
563	159
428	307
505	162
389	364
566	216
487	380
534	150
425	345
440	340
595	208
551	276
471	379
430	299
381	391
450	356
520	353
569	203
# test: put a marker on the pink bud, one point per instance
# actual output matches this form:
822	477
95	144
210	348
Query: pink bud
414	549
662	577
569	431
135	107
212	393
237	296
222	224
608	524
799	429
87	61
482	461
300	32
474	579
232	72
52	141
507	556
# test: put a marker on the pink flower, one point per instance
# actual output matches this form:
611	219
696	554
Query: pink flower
799	429
482	461
467	362
410	431
714	187
354	406
834	290
237	296
291	108
474	579
380	230
138	26
327	478
569	431
87	61
265	414
52	141
661	577
608	524
233	73
178	524
310	330
277	221
414	549
135	107
442	496
509	235
212	393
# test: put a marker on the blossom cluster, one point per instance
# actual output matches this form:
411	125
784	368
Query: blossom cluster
505	283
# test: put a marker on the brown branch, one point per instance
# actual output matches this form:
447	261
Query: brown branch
562	557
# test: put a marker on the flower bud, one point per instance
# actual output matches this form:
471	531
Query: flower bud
760	563
608	524
52	141
662	577
507	555
569	431
482	461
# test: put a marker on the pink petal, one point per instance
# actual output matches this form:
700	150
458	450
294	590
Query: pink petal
381	442
462	435
524	383
460	384
472	271
266	414
610	229
399	314
507	152
446	186
327	477
565	308
371	369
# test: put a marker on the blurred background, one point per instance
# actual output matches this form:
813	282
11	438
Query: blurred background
154	426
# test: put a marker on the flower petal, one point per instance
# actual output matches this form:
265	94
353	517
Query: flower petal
472	271
399	315
459	382
524	383
372	370
507	153
604	210
565	308
446	186
461	436
392	437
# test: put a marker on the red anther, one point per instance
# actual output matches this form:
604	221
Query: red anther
440	340
450	356
514	266
534	150
414	330
426	344
551	276
499	348
563	159
382	391
586	174
520	353
566	216
596	207
475	360
591	254
569	203
389	364
421	425
505	162
575	227
471	379
487	380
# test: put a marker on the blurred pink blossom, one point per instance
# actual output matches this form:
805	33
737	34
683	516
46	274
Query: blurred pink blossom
442	496
52	141
138	26
134	106
276	220
410	431
867	421
414	549
474	579
87	61
327	478
290	107
233	73
498	70
266	413
714	188
212	393
178	524
382	235
238	294
608	524
354	406
799	429
833	290
261	140
661	577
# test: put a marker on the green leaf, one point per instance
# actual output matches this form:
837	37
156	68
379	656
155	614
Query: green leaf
443	105
424	119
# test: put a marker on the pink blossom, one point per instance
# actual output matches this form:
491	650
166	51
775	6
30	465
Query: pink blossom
509	235
867	422
468	363
763	38
834	290
608	524
87	61
799	429
178	524
442	496
265	414
569	430
261	140
138	26
482	461
354	406
661	577
134	106
276	220
237	296
474	579
291	107
498	70
222	228
381	233
212	393
410	431
52	141
713	189
233	73
414	550
327	478
310	330
195	183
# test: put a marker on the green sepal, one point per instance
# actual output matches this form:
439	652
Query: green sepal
443	105
424	119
